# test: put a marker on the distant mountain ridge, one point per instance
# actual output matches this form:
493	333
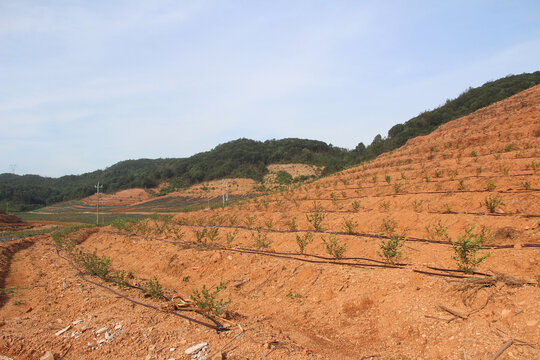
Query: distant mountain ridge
248	158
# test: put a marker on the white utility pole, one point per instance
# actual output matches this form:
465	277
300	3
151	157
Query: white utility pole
97	210
225	190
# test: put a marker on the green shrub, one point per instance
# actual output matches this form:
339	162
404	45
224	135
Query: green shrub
93	264
292	224
437	231
493	202
120	278
388	226
417	205
467	248
391	249
356	205
206	301
316	217
212	233
333	247
230	236
304	241
153	288
199	234
283	178
349	225
260	238
461	185
490	186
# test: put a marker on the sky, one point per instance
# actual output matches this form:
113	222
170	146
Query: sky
85	84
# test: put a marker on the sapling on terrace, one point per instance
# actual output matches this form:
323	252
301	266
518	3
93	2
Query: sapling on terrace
316	217
199	234
467	249
260	238
230	236
206	301
333	247
349	225
153	288
391	249
304	241
212	233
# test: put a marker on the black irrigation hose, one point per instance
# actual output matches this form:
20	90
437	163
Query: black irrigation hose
218	327
271	254
382	265
358	234
441	275
452	192
458	271
317	256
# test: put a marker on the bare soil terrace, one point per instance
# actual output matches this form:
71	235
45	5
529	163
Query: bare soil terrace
287	305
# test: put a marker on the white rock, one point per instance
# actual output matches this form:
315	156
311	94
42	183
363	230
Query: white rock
172	349
76	322
103	329
195	348
48	356
60	332
118	327
108	336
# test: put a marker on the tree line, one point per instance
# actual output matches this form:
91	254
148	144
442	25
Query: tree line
247	158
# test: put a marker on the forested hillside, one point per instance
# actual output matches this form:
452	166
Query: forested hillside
238	158
247	158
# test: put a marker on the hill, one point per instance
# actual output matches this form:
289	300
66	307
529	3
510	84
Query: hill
244	158
470	184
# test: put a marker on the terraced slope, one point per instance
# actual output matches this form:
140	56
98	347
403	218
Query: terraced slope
289	305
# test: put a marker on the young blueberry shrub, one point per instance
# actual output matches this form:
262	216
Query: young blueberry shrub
291	224
493	202
490	185
212	233
355	205
316	217
417	205
389	226
199	234
153	288
349	225
467	249
260	238
333	247
94	265
390	250
437	231
207	301
230	236
304	241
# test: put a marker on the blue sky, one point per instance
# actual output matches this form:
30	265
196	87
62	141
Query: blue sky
85	84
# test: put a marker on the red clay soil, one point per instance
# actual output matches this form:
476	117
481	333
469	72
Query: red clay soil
11	222
285	305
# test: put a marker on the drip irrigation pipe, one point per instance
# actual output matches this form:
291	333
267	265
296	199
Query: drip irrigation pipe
403	193
218	327
442	275
271	254
328	260
458	271
358	234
